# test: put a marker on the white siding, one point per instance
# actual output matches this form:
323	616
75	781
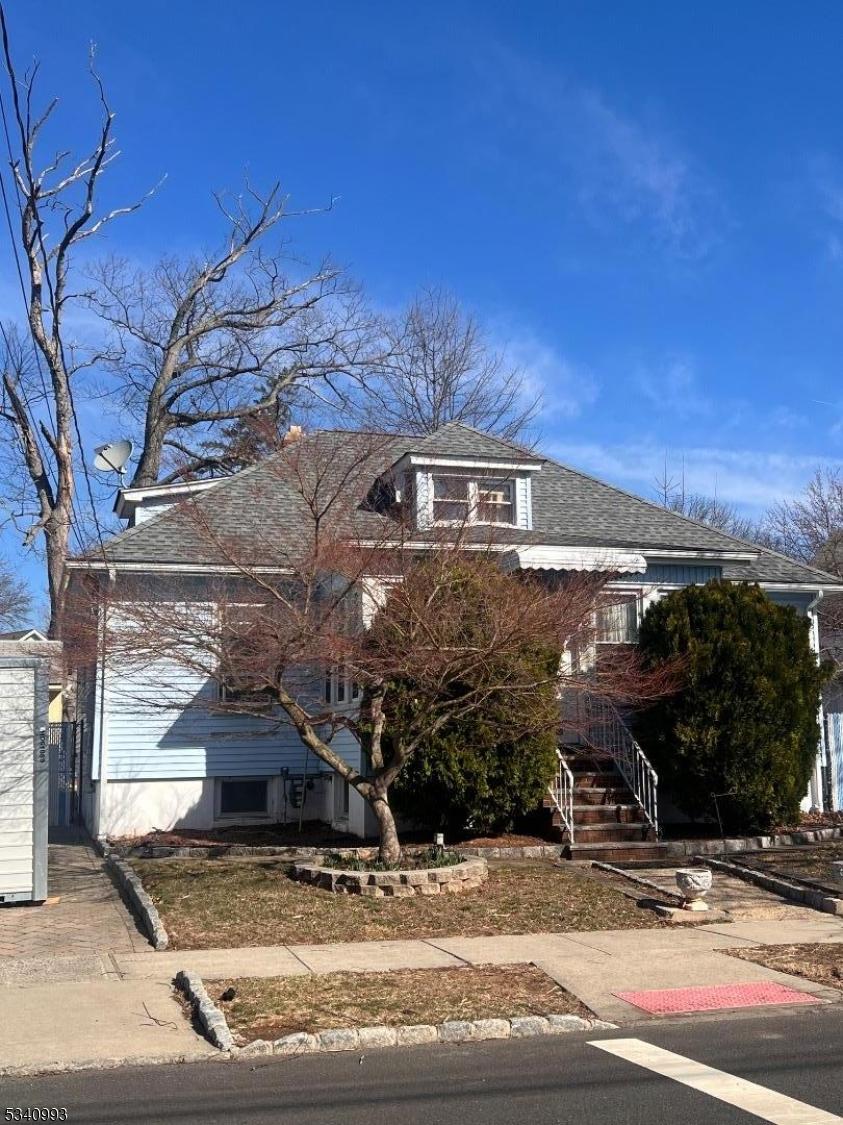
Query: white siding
17	718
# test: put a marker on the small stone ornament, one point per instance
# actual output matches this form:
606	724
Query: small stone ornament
837	869
694	883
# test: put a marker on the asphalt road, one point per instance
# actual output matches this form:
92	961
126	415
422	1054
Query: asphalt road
537	1082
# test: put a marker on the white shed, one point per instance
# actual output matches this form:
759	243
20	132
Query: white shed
24	774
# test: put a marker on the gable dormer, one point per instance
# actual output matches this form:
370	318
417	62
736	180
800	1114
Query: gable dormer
135	505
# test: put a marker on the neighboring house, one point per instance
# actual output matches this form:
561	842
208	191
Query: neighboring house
198	768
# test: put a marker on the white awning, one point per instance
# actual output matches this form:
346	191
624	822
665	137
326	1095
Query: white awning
575	558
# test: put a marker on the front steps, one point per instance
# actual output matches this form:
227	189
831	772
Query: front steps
609	824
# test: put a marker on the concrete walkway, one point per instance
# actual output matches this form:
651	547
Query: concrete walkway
63	1002
592	965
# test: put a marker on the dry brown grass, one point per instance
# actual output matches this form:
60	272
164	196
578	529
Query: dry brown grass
267	1008
809	862
822	963
227	903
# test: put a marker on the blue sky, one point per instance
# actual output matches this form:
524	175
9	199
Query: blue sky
644	201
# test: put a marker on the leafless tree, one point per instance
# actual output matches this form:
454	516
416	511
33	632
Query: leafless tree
810	527
440	366
351	596
710	510
57	210
15	602
230	335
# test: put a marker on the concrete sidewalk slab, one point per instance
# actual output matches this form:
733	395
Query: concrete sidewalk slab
33	971
251	961
373	956
62	1026
595	985
823	929
514	949
686	940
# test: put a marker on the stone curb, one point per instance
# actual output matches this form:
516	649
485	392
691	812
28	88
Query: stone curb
639	880
702	848
791	890
208	1015
132	887
338	1039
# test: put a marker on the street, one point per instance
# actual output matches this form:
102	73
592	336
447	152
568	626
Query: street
564	1079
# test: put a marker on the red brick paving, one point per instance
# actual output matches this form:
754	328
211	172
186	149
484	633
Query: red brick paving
667	1001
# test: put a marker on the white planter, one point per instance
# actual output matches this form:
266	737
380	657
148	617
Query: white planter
694	883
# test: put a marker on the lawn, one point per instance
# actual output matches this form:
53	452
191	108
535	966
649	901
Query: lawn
823	963
267	1008
228	903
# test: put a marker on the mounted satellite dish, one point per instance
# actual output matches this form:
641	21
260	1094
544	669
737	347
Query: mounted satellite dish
112	458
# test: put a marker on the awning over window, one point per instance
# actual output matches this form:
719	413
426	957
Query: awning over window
575	558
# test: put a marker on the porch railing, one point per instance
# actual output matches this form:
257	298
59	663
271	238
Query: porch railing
562	794
608	734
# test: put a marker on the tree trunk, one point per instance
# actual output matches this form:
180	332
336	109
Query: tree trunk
389	850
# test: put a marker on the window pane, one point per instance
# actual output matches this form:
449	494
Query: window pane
617	622
246	796
496	501
340	689
328	687
450	488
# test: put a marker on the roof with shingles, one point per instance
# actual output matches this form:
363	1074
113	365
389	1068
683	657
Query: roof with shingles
264	508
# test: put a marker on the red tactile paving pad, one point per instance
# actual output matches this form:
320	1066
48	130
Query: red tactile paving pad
665	1001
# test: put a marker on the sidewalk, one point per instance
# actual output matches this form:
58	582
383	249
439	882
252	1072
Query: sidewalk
592	965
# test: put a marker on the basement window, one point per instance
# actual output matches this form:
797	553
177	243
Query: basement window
243	796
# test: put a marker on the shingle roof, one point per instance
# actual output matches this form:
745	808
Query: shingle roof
262	507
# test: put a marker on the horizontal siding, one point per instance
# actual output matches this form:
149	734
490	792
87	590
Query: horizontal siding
147	742
673	574
17	717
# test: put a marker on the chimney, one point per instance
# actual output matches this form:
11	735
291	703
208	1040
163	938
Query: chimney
293	434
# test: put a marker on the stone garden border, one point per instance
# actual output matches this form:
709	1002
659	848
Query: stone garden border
791	888
130	884
453	879
216	1029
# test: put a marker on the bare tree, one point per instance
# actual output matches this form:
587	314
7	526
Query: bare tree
57	205
439	367
810	527
292	616
15	602
230	335
710	510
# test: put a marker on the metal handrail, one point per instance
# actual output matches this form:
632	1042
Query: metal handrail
616	740
562	794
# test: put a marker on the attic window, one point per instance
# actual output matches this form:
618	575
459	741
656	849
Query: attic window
461	498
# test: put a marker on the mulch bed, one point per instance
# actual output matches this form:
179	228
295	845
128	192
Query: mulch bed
207	904
267	1008
818	962
808	862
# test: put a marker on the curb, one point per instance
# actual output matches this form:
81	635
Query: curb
209	1016
339	1039
793	891
134	891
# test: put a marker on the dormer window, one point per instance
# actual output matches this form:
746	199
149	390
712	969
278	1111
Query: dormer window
466	498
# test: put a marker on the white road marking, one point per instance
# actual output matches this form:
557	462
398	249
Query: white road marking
758	1100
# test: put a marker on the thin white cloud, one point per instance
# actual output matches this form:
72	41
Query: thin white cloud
626	169
671	387
753	479
565	388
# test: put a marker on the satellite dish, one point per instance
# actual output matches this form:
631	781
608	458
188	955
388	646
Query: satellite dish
112	458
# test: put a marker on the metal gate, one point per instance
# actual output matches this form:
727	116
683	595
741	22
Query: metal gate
63	786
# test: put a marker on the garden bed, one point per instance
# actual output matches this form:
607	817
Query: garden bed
268	1008
809	864
819	962
219	903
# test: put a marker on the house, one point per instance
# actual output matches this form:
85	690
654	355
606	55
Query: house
35	643
148	768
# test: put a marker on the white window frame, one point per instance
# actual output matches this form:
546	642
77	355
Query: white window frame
338	682
219	815
473	481
632	596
